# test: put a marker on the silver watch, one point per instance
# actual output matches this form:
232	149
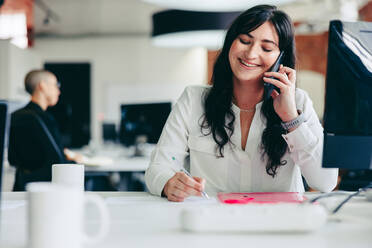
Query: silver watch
295	122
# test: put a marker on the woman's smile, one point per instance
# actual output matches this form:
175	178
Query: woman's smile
248	65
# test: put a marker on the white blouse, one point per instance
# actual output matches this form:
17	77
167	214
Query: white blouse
183	144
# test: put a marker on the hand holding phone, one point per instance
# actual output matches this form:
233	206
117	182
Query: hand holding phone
275	68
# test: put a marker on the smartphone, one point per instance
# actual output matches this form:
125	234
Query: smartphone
270	87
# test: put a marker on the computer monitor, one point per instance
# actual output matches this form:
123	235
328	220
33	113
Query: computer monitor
348	102
145	120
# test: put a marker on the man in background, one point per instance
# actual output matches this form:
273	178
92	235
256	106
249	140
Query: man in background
35	141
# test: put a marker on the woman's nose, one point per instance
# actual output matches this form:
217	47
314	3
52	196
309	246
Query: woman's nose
252	52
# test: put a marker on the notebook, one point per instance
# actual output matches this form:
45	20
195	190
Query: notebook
261	197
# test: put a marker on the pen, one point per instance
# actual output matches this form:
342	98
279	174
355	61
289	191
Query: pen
189	175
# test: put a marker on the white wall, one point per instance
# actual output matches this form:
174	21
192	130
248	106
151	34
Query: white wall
126	69
14	64
21	61
4	68
314	84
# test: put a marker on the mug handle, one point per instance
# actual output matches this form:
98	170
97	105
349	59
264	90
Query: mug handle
104	218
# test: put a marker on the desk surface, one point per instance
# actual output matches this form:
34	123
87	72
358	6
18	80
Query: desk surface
122	158
143	220
134	164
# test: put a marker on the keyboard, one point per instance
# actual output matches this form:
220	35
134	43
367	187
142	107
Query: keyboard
280	217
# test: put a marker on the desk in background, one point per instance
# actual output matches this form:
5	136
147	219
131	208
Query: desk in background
124	171
122	158
139	219
124	164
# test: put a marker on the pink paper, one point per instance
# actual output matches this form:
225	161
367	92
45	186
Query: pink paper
260	197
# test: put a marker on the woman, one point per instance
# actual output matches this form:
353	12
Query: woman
232	136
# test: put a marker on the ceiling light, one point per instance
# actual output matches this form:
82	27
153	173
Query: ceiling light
13	27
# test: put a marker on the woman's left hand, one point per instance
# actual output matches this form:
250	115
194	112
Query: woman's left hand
285	102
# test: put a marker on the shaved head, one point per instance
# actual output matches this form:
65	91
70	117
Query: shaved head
34	77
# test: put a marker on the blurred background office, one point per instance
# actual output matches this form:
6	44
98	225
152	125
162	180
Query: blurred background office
119	62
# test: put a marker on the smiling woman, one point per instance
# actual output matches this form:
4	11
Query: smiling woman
255	38
254	53
235	139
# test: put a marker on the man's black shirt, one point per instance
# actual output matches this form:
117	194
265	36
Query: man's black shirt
31	148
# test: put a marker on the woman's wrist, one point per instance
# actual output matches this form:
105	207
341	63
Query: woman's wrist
289	116
294	122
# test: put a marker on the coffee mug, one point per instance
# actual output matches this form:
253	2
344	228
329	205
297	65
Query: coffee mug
69	175
56	214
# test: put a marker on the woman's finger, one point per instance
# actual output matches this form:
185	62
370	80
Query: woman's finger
280	76
275	82
274	94
175	198
185	188
201	181
179	193
189	181
291	73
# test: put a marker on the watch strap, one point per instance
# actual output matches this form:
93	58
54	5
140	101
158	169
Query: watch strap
295	122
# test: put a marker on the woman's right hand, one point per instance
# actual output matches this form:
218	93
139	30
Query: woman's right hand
181	186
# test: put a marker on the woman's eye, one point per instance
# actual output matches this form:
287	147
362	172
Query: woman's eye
266	49
246	42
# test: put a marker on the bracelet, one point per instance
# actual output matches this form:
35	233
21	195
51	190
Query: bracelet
295	122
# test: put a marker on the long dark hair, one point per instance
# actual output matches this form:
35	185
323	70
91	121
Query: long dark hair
219	117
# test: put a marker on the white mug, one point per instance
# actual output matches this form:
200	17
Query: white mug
56	214
369	194
69	175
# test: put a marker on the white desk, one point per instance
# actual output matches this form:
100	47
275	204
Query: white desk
123	160
124	164
142	220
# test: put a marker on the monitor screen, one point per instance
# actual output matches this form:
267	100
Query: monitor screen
348	103
109	132
143	120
